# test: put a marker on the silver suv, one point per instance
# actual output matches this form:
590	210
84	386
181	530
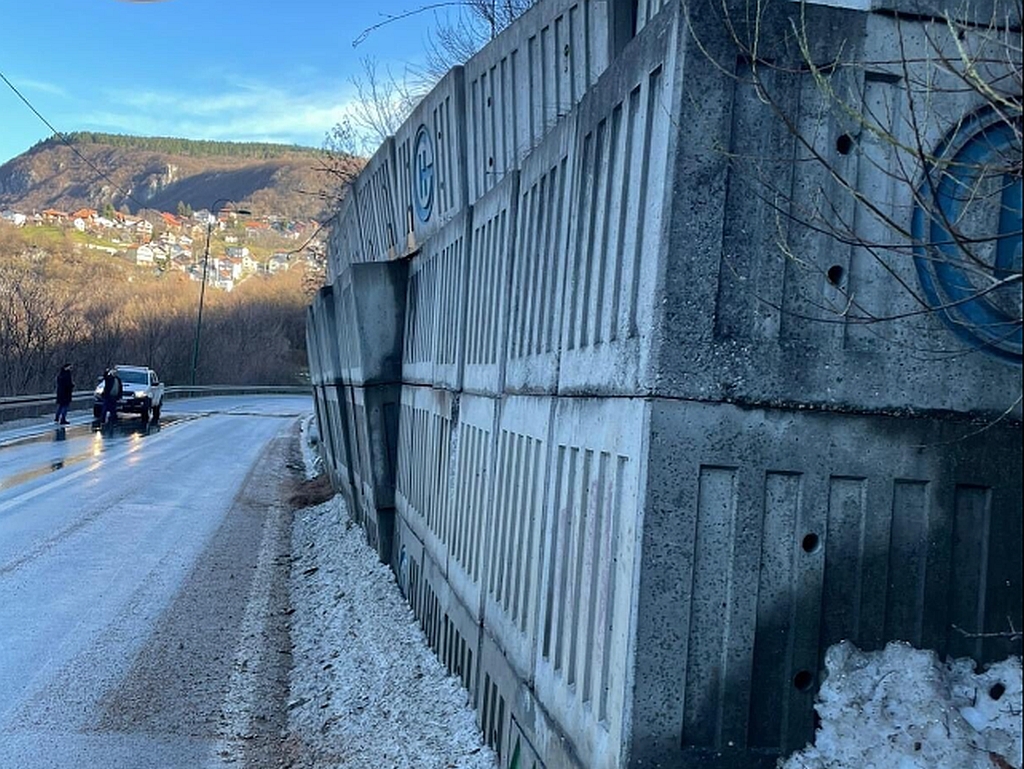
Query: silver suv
142	393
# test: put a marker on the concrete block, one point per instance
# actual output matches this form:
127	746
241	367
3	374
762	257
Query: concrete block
518	527
620	191
373	297
430	150
514	721
527	79
345	242
423	485
451	631
770	535
492	244
467	518
538	263
817	322
590	560
436	308
379	205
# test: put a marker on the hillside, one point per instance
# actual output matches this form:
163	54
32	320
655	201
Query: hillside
158	173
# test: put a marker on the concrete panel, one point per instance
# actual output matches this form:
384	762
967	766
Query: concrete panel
538	263
378	204
584	666
436	308
619	193
770	535
430	151
451	632
467	517
487	288
371	321
817	320
518	525
528	78
376	416
345	243
424	461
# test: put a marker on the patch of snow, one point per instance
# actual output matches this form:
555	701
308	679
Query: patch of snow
309	439
902	708
366	690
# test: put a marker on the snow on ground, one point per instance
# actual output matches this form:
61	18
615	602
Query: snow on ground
366	690
362	667
902	708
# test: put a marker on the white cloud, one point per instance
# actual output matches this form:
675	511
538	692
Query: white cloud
249	112
39	86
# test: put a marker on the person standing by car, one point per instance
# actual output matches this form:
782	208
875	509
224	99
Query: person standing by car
111	392
65	387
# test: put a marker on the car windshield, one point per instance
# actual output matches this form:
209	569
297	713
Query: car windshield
133	377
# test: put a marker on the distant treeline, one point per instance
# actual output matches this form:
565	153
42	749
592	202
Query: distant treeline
189	147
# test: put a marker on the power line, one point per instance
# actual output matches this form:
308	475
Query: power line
69	143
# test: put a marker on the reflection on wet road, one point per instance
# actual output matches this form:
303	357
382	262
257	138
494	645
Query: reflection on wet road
26	458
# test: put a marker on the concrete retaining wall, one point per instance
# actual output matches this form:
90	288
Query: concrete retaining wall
639	431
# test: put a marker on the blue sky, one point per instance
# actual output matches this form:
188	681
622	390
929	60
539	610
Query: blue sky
200	69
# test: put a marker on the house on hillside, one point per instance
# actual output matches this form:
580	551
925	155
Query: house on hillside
171	220
278	262
143	255
53	216
13	217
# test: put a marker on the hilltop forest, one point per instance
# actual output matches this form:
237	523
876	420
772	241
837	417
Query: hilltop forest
59	303
132	173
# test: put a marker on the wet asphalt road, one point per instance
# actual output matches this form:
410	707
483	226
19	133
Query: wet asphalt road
143	582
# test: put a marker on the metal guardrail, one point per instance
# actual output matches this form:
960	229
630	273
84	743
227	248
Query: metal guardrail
177	391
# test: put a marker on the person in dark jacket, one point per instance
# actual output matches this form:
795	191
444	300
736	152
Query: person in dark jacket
65	387
111	392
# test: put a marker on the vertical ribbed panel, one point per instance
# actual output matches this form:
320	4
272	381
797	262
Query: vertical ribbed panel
525	80
618	206
345	243
856	568
470	498
646	11
487	291
588	560
788	606
424	478
377	203
538	267
435	309
430	156
517	527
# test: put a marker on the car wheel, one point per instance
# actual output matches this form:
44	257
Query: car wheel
156	412
97	411
145	411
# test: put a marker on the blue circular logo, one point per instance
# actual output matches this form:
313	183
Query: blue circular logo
967	234
423	174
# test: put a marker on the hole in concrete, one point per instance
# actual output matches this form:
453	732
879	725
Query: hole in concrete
810	543
835	274
490	161
997	691
844	144
803	680
917	746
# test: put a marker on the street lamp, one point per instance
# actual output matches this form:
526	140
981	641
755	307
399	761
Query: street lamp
202	288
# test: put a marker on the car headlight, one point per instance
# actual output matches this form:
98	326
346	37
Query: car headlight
99	390
140	394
